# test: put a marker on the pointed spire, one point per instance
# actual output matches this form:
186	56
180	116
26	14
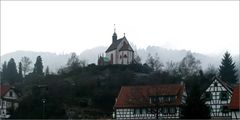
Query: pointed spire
114	37
114	28
124	34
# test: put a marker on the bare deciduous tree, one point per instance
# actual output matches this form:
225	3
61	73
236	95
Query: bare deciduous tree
172	67
73	61
154	62
137	58
189	65
26	62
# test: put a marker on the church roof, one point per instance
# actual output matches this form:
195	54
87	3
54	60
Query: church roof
114	44
126	47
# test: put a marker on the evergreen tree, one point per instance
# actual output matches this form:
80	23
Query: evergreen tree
47	71
195	107
38	66
4	72
20	71
12	74
227	69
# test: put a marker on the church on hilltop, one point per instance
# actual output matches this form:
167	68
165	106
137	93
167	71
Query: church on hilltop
119	52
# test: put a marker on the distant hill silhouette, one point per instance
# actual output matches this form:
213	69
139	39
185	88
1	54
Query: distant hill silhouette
56	61
52	60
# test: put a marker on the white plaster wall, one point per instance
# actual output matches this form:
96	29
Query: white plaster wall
127	60
235	114
108	55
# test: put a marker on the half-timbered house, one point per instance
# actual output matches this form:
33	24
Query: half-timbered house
150	102
218	95
235	103
8	100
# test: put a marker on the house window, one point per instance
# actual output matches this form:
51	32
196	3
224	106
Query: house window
149	110
172	98
172	110
169	99
4	103
10	94
144	111
224	109
166	99
137	111
160	99
208	96
8	104
215	84
224	95
154	100
164	110
140	111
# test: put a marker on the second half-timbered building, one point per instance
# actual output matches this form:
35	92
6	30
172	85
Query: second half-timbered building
235	103
150	102
218	96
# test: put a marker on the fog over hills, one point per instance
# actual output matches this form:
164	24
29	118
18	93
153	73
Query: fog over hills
52	60
56	61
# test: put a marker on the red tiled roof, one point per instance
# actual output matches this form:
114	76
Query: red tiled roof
235	101
4	89
139	96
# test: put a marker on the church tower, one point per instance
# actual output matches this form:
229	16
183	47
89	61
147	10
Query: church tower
114	37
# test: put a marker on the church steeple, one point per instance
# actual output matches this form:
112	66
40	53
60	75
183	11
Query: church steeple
114	37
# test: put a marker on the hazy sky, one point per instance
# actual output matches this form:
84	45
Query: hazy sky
208	27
